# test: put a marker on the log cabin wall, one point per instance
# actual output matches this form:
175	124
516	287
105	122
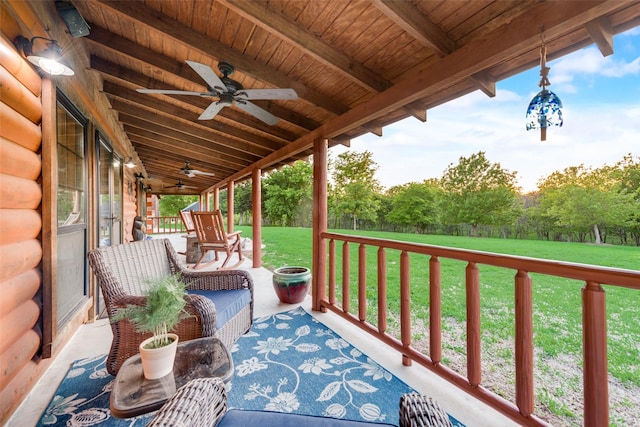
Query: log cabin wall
20	226
31	337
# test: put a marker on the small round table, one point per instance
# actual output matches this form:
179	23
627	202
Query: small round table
134	395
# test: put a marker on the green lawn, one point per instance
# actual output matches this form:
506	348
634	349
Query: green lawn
557	304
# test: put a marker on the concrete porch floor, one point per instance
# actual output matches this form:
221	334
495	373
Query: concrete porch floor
95	339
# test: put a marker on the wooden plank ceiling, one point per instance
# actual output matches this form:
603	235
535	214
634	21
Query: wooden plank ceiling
356	66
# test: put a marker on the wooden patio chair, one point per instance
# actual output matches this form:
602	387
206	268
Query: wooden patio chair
213	237
188	222
220	303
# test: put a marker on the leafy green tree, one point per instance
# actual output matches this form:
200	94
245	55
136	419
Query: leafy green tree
171	205
355	187
415	204
584	200
288	193
478	192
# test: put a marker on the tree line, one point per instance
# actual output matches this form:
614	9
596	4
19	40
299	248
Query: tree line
474	197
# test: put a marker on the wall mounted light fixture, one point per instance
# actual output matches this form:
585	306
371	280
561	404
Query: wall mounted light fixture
130	163
48	60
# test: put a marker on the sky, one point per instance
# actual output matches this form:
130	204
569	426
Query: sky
601	100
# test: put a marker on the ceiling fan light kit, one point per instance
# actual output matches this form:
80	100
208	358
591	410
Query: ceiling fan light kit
230	92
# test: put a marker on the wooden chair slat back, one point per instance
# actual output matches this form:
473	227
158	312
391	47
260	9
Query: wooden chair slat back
209	227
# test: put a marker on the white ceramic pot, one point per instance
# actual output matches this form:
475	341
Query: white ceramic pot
158	362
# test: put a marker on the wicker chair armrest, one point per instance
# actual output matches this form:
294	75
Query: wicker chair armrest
218	280
206	310
128	300
417	410
199	403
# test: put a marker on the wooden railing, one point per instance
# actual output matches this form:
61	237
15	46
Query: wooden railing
165	225
596	402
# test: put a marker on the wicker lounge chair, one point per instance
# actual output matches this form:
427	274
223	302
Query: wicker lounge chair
203	403
220	302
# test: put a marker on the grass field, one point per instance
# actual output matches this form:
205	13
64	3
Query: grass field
557	313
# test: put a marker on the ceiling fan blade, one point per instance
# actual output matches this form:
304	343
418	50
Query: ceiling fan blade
268	94
197	172
257	112
211	111
208	75
172	92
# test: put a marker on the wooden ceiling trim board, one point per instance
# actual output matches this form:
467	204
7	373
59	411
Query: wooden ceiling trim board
154	119
160	151
136	130
167	132
601	33
258	13
146	16
407	16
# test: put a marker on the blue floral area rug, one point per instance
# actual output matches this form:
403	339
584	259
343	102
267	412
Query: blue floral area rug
291	362
83	398
288	362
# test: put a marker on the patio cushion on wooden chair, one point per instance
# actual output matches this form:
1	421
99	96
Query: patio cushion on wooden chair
123	273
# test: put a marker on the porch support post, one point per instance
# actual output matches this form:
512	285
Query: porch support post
230	207
594	349
216	198
256	203
524	343
319	267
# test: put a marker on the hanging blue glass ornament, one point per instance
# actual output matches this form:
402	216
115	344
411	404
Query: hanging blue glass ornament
545	108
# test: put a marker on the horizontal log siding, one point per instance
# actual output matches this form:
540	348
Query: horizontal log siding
20	227
521	410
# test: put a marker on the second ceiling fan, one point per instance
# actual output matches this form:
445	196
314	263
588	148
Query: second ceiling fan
190	172
230	92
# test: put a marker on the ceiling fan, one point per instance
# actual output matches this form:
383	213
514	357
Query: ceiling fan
188	171
180	185
229	92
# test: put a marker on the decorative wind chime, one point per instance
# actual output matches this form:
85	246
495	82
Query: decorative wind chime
545	108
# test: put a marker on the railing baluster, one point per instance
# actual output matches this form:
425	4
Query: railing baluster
405	305
332	271
362	283
524	343
382	290
435	311
474	360
594	348
346	272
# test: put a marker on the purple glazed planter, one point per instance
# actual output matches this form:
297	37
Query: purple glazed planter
291	283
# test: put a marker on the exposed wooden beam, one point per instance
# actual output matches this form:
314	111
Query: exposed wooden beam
134	110
406	15
601	33
141	14
276	24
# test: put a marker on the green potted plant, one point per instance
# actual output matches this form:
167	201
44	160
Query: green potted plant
163	309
